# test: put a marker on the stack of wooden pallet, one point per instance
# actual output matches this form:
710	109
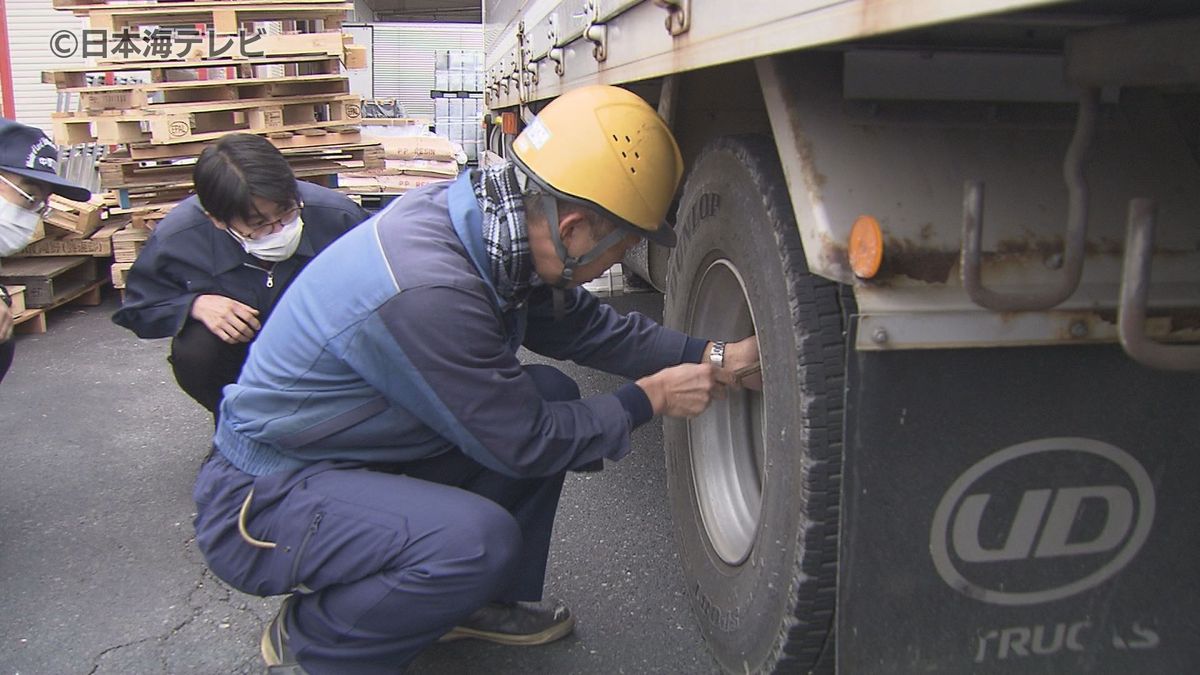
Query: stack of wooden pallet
127	244
176	76
62	264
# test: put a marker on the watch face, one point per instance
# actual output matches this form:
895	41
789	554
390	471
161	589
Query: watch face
717	355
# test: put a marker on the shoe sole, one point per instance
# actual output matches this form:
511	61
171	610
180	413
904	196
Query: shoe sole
556	632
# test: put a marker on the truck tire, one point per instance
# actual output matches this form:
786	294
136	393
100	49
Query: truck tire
754	481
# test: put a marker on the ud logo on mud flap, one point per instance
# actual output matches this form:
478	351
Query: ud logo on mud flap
1041	521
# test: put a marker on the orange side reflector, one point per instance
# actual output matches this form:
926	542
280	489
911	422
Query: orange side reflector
508	123
866	247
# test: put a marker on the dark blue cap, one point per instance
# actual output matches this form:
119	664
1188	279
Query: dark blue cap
27	151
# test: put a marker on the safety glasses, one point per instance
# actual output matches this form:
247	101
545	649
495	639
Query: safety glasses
36	204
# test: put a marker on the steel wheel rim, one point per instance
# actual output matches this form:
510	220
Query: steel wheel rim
726	442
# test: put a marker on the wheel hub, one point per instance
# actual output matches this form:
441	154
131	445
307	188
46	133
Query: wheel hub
726	441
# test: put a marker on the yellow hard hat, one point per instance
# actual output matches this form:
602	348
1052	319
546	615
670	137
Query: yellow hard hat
606	148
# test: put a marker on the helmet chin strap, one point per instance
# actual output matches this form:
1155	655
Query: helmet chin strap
570	263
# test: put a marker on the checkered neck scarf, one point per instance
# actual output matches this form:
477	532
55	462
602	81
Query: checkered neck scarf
505	237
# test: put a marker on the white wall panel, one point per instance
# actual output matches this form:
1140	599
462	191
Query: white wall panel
403	59
31	23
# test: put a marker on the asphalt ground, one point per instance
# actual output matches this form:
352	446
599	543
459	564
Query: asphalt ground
99	572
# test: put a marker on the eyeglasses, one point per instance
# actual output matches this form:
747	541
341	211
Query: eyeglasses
36	204
261	230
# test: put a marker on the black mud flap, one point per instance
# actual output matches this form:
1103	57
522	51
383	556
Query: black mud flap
1019	510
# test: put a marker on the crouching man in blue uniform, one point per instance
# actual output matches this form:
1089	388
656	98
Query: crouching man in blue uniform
216	265
386	462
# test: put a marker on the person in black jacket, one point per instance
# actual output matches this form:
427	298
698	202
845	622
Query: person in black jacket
214	268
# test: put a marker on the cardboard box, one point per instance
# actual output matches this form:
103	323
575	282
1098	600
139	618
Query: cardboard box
356	57
421	167
416	147
405	182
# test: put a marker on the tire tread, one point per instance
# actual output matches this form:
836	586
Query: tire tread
817	314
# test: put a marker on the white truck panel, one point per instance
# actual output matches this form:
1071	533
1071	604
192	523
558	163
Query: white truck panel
639	46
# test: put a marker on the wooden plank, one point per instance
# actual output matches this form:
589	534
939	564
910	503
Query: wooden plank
114	18
115	130
128	173
302	138
155	196
225	21
72	132
300	170
89	295
127	244
30	322
164	87
189	122
120	272
89	5
126	160
250	89
48	280
83	7
98	101
165	109
70	245
16	293
80	218
328	43
98	245
77	73
356	57
173	130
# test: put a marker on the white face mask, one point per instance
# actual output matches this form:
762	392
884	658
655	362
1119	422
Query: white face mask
273	247
16	227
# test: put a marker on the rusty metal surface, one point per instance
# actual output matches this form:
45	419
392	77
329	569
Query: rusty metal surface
1044	296
975	329
1135	289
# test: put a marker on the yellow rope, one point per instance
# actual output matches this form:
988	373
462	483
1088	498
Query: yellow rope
258	543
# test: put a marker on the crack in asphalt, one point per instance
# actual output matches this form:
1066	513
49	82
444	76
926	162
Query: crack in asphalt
206	593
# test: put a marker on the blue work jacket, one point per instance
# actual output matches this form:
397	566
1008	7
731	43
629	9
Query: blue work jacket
413	353
187	256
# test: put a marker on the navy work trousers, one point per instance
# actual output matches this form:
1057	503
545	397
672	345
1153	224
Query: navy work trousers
382	560
6	356
204	363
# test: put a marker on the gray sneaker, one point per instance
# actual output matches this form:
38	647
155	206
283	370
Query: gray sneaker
274	647
521	624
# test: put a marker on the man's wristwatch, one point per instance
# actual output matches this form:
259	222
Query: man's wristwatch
717	355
